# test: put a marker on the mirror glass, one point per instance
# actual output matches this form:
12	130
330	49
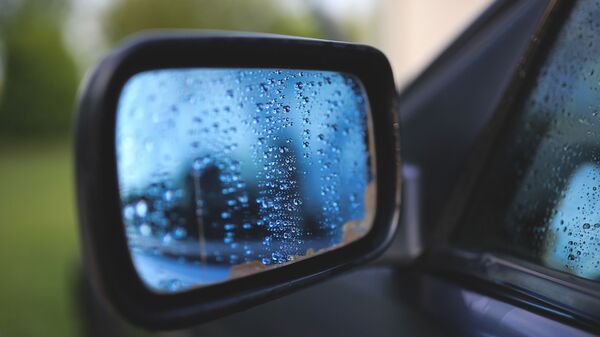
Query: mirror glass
226	172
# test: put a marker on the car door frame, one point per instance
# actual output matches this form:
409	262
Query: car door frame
501	276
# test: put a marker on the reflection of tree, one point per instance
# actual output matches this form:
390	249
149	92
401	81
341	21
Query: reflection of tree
279	192
272	220
221	214
309	230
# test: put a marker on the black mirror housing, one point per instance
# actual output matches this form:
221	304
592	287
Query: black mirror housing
104	242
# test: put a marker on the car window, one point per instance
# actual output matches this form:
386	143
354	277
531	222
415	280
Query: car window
538	197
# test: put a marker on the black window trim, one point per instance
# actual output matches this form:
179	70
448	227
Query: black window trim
556	295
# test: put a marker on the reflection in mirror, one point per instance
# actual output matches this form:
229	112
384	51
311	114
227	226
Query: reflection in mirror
229	172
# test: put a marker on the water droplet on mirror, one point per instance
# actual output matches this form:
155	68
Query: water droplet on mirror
179	233
141	208
129	212
276	256
145	230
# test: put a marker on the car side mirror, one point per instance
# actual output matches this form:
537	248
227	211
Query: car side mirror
218	171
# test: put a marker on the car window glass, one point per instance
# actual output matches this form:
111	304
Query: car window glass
538	197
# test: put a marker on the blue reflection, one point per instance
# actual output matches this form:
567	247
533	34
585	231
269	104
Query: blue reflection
223	172
572	243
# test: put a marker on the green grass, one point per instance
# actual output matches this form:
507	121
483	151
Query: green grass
38	239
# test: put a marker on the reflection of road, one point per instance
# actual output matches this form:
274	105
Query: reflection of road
156	271
173	271
191	249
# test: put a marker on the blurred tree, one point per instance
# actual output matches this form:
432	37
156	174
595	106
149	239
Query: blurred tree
130	16
40	76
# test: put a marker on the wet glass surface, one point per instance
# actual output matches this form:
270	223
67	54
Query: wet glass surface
229	172
539	196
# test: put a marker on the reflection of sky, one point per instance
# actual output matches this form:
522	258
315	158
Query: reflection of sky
157	110
572	243
290	147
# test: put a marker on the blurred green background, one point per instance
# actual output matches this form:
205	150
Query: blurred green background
45	48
